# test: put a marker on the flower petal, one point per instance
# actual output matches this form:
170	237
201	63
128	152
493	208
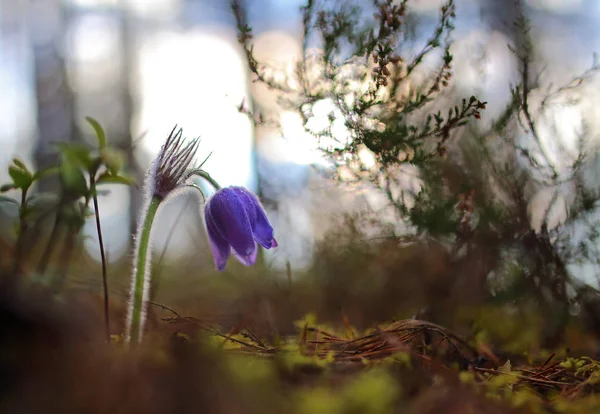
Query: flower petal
247	260
261	228
218	245
263	231
227	211
248	200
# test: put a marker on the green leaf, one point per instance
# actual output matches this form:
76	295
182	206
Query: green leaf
99	131
7	187
115	179
21	165
113	159
75	214
76	153
21	178
72	178
43	173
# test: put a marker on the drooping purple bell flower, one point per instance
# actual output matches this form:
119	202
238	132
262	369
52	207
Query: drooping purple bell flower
236	222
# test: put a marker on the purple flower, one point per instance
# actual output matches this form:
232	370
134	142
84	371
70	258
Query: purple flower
236	221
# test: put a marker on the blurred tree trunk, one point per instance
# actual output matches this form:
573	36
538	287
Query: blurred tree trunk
500	15
127	100
48	21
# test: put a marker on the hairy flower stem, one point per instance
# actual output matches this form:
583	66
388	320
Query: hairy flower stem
141	273
207	177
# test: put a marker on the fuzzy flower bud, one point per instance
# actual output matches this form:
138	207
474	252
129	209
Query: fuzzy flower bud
169	169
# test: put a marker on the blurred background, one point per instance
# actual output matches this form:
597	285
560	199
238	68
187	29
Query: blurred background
506	260
141	66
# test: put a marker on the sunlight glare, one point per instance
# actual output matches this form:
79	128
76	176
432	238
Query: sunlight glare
93	3
197	81
93	38
163	9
